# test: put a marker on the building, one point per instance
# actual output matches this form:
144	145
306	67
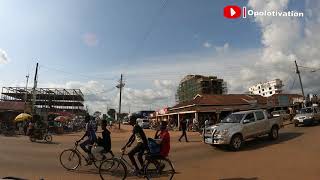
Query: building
267	89
47	99
283	101
191	85
212	107
216	107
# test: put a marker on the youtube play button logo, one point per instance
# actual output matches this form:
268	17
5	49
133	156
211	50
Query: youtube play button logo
232	12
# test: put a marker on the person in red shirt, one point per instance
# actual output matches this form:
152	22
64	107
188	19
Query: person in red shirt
163	138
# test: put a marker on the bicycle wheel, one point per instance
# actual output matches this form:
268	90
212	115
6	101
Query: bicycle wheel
160	168
48	138
70	159
100	158
113	169
32	138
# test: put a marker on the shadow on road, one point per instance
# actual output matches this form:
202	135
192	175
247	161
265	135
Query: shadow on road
87	171
44	142
253	178
264	141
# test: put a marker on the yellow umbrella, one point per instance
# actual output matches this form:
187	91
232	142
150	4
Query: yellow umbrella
22	117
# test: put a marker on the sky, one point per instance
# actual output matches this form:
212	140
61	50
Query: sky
154	44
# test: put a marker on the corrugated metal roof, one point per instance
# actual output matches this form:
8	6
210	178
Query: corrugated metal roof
224	100
10	105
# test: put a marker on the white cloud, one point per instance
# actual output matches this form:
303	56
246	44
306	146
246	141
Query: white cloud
3	57
206	45
90	39
222	49
285	40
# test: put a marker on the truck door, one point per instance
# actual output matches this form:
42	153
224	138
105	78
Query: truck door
262	122
249	128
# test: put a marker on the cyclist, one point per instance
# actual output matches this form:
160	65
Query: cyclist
142	144
92	138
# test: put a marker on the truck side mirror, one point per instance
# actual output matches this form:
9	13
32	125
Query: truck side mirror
246	121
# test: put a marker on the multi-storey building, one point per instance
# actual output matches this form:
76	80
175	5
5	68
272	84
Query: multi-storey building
191	85
267	89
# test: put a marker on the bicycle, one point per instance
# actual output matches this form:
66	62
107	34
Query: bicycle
154	166
75	155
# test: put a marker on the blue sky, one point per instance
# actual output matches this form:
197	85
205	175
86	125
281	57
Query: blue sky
96	40
128	32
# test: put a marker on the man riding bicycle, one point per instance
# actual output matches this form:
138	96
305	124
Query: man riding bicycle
142	144
92	138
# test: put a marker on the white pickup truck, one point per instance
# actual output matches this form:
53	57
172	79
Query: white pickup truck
240	126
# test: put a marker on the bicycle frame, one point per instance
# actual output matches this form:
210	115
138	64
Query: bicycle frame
128	164
79	153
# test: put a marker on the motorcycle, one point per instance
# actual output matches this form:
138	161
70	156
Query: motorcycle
41	136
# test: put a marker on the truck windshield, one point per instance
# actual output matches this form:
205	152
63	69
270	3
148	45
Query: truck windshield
306	111
233	118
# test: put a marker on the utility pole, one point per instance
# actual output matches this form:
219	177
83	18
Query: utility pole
35	83
26	95
120	86
298	72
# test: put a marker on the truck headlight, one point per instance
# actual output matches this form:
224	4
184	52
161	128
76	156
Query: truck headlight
308	117
222	133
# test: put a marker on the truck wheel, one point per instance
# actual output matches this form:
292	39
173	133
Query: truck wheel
274	133
296	124
236	142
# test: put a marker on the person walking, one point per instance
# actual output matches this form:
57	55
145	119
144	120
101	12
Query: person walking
184	130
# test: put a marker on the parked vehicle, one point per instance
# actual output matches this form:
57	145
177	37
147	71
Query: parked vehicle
240	126
281	113
144	123
307	116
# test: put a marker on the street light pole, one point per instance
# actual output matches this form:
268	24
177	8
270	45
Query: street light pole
35	83
298	72
26	95
120	86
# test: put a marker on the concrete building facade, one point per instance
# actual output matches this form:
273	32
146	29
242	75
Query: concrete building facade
191	85
267	89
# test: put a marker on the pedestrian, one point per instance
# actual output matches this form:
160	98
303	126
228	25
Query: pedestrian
20	126
184	130
25	127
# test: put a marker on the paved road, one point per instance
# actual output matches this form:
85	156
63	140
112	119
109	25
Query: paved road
295	155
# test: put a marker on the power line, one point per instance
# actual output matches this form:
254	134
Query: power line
294	80
76	74
151	27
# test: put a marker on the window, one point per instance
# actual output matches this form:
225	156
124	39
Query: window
271	92
259	87
270	88
263	94
259	115
262	89
259	92
250	117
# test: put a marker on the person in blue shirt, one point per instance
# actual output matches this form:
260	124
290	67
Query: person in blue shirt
86	145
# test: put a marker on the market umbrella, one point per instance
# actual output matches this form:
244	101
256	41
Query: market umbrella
62	118
23	117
